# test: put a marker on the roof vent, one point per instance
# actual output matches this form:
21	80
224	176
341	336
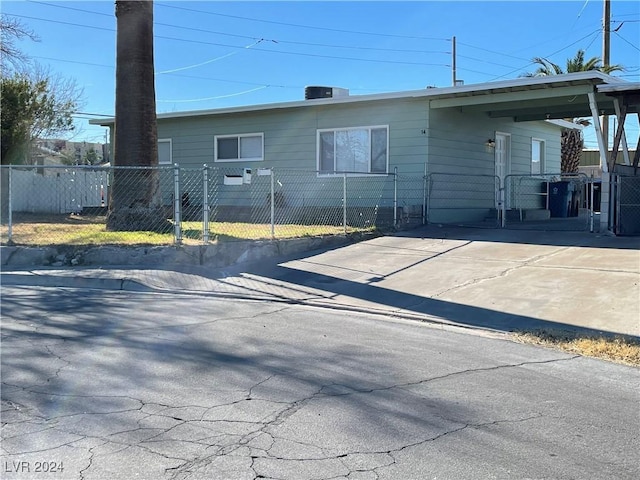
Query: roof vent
315	92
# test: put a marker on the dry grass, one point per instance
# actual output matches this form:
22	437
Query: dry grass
619	349
40	230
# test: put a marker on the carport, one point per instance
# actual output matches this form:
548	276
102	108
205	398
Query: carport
576	95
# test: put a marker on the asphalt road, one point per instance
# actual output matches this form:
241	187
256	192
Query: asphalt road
135	385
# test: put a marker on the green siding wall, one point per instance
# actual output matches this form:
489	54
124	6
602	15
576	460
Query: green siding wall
457	143
290	134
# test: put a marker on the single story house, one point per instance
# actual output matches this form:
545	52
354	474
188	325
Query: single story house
482	131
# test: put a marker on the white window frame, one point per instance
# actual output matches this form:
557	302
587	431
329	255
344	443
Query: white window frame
543	154
238	136
368	128
166	140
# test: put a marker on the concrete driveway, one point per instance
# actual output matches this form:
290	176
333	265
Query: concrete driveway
493	279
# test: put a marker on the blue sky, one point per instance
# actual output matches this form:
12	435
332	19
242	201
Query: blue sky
219	54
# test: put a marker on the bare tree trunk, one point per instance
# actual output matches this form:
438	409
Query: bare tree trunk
134	195
572	144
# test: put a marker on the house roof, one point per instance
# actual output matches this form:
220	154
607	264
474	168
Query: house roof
523	99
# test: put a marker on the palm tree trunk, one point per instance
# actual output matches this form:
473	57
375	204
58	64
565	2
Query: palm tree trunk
571	150
134	199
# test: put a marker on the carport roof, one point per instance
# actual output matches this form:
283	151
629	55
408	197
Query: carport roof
522	99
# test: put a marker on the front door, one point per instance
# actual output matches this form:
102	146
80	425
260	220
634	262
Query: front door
502	160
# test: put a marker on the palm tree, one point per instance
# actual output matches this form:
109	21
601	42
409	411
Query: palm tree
572	142
134	195
575	64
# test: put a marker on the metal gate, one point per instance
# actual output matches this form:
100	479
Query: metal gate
548	202
625	191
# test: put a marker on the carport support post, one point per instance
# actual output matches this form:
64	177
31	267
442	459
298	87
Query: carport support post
176	204
604	212
205	203
621	115
596	124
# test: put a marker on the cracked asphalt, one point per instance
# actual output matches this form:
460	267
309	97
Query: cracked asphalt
247	375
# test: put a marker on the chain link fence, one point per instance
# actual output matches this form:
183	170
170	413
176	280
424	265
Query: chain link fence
460	199
626	204
560	202
170	204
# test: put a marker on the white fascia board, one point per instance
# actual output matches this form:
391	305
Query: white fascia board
618	87
566	124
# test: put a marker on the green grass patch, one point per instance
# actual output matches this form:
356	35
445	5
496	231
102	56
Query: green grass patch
41	230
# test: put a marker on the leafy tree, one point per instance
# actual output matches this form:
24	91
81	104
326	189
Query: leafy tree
572	141
34	105
135	198
91	157
35	102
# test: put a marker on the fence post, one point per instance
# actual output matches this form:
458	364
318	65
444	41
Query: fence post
272	205
10	206
502	200
205	203
344	202
424	196
395	197
177	204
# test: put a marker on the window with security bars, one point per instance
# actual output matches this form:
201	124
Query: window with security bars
353	150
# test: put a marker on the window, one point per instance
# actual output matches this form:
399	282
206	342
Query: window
353	150
165	156
537	156
235	148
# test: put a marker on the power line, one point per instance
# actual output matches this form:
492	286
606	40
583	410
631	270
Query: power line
302	26
193	77
595	32
627	41
491	51
396	62
484	61
248	37
71	8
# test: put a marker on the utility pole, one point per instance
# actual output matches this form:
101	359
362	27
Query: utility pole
453	61
606	61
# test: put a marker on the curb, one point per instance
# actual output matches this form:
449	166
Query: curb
213	255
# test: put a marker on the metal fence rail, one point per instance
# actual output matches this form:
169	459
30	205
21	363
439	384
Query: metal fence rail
548	202
171	204
463	199
626	205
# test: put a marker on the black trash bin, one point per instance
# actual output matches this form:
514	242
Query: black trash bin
560	198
